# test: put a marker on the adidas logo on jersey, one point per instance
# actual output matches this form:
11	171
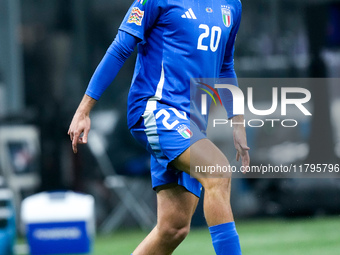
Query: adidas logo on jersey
189	14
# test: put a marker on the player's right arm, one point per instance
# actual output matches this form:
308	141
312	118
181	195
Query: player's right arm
141	16
118	52
81	122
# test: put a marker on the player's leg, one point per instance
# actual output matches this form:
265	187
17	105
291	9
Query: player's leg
217	207
175	207
165	142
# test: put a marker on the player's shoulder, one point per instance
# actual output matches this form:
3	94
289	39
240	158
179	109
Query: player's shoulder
153	2
237	4
151	6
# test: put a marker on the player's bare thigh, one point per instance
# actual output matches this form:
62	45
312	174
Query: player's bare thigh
175	207
175	203
203	153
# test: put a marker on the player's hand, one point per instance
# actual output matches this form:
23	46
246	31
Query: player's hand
240	142
81	123
79	130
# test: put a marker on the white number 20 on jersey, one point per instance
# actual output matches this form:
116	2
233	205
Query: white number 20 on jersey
215	37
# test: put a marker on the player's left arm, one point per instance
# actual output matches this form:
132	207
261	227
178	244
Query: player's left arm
240	140
228	72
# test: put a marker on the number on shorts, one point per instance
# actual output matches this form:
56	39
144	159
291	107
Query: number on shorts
167	116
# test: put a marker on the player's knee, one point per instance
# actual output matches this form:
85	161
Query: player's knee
174	233
216	184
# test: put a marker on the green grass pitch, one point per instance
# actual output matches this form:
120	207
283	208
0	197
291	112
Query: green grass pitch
312	236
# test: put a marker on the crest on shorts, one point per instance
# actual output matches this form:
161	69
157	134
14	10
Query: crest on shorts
184	131
226	16
136	16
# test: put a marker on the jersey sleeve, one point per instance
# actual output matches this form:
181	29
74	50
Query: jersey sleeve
227	70
142	15
120	49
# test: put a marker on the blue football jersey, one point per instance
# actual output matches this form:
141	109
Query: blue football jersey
181	39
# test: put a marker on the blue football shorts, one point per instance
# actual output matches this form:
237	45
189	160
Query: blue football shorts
166	133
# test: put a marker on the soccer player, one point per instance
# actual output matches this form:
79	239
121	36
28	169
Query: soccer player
177	40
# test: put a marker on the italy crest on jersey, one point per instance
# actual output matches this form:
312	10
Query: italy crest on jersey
136	16
226	16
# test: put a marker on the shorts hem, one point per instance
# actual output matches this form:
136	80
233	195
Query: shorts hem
197	194
184	149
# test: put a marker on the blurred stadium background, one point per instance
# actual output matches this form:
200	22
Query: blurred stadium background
48	52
